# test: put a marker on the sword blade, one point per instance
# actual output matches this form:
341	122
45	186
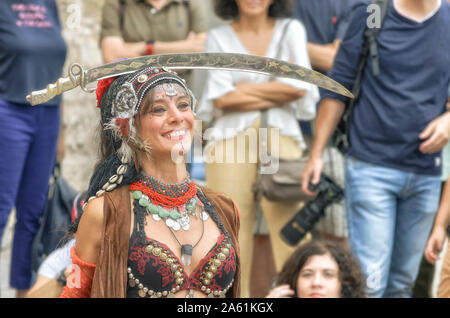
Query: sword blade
219	61
205	61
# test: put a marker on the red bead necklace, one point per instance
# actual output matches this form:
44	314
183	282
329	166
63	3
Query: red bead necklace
163	200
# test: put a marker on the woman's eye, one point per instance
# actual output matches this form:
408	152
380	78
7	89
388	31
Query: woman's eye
183	105
157	110
306	275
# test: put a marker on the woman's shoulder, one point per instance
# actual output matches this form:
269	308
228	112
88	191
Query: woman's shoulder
93	212
113	199
220	31
292	30
293	25
220	39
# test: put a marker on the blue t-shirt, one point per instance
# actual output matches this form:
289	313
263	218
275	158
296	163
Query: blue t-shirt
409	93
324	20
32	50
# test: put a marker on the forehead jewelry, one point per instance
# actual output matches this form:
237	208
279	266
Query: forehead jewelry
169	88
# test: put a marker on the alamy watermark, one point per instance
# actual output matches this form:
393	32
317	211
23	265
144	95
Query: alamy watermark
374	18
74	13
254	145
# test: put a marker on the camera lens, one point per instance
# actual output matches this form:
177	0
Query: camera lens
305	219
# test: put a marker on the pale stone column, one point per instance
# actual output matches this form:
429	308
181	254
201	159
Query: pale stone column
80	20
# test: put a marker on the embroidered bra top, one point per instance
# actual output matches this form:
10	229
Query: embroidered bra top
155	271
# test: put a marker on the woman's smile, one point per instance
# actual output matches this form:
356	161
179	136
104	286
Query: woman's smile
176	135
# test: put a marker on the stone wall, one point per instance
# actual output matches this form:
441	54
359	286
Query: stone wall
81	25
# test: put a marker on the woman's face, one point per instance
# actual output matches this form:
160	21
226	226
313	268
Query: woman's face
253	7
167	121
319	278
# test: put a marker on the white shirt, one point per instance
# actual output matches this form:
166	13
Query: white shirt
57	261
219	83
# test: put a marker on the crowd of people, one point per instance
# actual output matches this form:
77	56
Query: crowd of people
146	228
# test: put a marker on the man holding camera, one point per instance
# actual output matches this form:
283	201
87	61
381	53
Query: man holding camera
397	130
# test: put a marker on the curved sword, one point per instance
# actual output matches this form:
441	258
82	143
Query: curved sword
206	61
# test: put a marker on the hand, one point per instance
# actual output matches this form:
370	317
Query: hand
195	42
435	244
312	173
436	134
282	291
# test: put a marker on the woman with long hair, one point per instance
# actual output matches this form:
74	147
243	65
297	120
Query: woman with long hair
232	104
147	229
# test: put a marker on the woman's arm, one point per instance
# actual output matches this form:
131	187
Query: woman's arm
274	91
115	48
89	232
240	101
86	251
257	96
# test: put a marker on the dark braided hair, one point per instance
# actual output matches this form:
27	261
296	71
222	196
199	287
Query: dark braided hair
350	275
109	161
110	164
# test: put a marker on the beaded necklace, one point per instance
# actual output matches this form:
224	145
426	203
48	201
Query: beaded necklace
173	203
172	190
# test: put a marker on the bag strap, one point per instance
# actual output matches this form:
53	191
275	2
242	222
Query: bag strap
283	36
188	6
36	245
372	33
264	112
121	13
264	121
369	47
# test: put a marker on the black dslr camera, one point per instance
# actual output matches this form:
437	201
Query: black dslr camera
305	219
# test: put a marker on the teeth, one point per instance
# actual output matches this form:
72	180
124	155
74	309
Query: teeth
177	133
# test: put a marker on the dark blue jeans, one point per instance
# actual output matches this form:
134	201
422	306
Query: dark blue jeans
28	139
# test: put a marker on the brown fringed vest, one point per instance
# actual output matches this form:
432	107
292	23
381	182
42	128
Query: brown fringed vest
110	278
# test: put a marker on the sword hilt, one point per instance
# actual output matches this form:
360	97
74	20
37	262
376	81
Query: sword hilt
51	90
63	84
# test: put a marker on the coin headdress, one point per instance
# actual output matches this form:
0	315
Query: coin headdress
122	86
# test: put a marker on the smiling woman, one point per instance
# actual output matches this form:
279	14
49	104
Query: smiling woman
233	104
148	230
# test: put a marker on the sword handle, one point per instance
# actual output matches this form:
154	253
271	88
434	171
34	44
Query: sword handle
76	78
51	90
